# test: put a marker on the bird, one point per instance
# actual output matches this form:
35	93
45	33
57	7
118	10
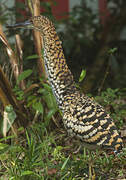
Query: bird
82	116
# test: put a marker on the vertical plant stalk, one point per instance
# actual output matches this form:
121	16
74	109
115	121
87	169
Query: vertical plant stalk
19	45
6	90
6	121
103	11
38	39
34	6
12	57
3	97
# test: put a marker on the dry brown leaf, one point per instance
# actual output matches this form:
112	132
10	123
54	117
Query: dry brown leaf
52	171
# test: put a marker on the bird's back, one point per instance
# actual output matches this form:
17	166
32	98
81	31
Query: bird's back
87	120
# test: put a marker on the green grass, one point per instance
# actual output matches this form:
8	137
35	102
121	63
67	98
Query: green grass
41	156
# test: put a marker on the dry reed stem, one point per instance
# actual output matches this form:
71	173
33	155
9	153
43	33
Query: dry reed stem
11	54
19	46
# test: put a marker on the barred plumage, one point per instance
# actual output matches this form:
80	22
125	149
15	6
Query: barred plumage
81	115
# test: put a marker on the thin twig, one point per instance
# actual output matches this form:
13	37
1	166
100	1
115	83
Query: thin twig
105	76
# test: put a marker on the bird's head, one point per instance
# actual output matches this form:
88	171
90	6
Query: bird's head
39	23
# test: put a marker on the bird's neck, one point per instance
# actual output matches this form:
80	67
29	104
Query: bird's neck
58	72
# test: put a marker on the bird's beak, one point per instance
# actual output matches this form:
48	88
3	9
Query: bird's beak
27	24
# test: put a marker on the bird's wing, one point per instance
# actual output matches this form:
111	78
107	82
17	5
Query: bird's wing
88	120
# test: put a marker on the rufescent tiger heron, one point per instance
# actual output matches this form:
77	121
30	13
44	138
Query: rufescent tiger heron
82	116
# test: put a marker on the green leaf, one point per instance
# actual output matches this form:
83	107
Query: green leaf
28	139
48	87
50	101
3	146
8	118
8	108
64	164
6	138
50	114
24	75
38	107
42	52
112	50
10	113
82	75
24	173
34	56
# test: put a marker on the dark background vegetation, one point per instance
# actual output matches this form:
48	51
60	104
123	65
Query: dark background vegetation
86	42
35	144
